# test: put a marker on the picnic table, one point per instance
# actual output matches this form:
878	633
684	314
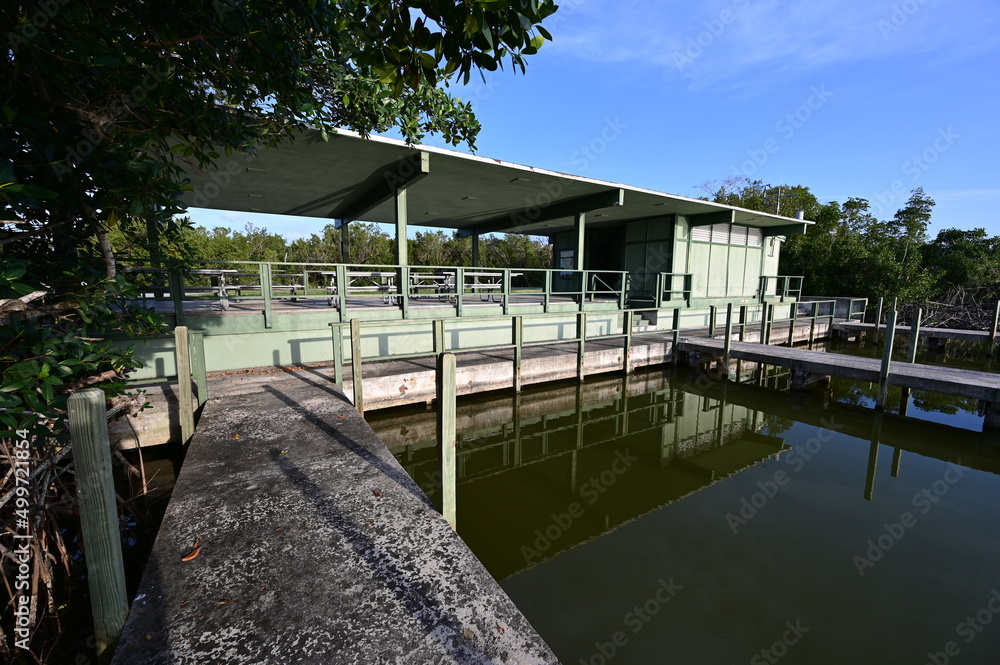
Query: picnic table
217	281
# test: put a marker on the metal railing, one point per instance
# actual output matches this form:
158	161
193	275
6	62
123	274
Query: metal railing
786	287
218	284
437	328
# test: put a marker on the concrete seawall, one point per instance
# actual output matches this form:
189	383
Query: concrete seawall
315	547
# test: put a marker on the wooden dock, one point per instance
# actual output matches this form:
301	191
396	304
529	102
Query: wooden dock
945	380
981	336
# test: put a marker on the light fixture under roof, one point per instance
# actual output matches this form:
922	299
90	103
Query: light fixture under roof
519	180
250	169
470	198
256	196
430	212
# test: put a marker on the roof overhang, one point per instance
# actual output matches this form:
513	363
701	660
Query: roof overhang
349	177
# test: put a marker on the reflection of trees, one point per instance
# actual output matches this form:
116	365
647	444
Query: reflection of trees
946	404
776	424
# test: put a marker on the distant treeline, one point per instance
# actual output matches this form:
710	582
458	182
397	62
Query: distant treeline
369	245
850	252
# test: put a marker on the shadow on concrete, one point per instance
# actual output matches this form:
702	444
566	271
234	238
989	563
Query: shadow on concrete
386	468
425	610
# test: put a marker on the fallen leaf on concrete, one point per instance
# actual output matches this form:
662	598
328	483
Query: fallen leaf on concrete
195	552
378	495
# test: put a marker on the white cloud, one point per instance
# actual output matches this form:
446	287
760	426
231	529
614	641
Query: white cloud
716	43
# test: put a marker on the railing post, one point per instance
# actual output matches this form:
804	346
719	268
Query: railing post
337	333
199	369
883	375
182	356
341	276
548	291
878	321
712	313
812	323
581	336
659	290
791	326
628	321
743	321
459	290
403	290
438	337
505	287
993	326
265	291
766	325
447	439
728	342
356	380
518	334
911	356
676	334
95	491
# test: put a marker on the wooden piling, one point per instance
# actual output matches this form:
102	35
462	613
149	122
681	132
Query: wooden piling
628	321
993	326
712	313
447	438
356	380
581	337
338	353
911	355
199	367
878	321
182	353
439	346
676	336
883	377
95	493
518	338
728	342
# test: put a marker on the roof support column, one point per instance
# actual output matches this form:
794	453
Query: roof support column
475	249
345	243
402	255
579	222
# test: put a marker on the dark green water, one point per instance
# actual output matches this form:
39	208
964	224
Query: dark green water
664	519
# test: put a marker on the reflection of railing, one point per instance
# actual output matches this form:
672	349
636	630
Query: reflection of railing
786	287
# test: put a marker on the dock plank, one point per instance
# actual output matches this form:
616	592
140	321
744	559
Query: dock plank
945	380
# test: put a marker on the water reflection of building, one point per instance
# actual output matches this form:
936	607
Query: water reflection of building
558	466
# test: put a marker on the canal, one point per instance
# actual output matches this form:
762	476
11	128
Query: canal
665	518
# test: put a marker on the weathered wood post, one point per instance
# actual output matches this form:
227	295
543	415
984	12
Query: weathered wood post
439	346
182	354
993	326
356	380
581	339
791	326
712	313
763	325
878	321
518	335
883	375
337	333
447	439
812	323
676	336
95	493
743	322
768	321
628	322
911	356
199	368
728	342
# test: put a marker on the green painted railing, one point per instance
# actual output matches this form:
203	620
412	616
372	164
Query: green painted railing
344	286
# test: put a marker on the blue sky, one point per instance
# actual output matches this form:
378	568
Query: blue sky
851	98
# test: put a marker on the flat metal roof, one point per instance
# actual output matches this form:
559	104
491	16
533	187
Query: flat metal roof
331	179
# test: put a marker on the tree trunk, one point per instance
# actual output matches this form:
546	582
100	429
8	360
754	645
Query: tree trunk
108	254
